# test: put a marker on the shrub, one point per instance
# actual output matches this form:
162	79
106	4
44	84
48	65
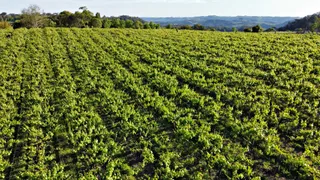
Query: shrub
271	30
198	27
247	30
257	28
5	25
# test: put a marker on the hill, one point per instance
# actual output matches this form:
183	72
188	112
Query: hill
226	22
159	104
304	23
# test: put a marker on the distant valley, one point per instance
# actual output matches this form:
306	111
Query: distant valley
224	22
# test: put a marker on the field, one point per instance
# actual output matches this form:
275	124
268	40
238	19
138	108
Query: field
158	104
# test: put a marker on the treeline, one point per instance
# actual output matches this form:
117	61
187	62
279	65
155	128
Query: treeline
308	23
256	28
197	27
32	17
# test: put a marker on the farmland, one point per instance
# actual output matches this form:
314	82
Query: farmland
158	104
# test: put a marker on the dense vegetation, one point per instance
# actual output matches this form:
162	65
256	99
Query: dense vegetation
308	23
34	17
139	104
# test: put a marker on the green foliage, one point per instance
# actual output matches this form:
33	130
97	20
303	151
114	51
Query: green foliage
116	23
144	104
316	25
129	23
138	25
307	23
5	25
188	27
257	28
96	23
271	30
234	29
106	23
98	15
169	26
248	29
198	27
146	25
31	17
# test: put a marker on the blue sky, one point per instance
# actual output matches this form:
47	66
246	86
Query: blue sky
177	8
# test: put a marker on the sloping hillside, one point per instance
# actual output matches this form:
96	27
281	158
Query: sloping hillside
303	23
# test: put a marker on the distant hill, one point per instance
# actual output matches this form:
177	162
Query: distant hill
227	22
303	23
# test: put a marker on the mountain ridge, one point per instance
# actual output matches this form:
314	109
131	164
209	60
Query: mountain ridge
225	22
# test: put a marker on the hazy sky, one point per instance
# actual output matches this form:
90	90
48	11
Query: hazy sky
168	8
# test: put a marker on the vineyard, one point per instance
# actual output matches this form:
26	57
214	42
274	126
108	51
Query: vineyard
158	104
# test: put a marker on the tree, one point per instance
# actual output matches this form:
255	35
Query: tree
129	23
85	16
234	29
257	28
138	25
157	26
96	23
3	16
50	23
169	26
76	20
146	26
98	15
122	24
106	23
316	25
64	19
115	23
31	17
152	25
198	27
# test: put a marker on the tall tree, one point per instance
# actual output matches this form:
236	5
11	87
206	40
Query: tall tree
98	15
64	19
3	16
31	17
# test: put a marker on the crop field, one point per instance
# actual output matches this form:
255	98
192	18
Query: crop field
158	104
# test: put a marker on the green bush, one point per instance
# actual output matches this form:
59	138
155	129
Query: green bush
257	28
96	23
247	30
5	25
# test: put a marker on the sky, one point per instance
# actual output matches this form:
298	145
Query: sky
173	8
